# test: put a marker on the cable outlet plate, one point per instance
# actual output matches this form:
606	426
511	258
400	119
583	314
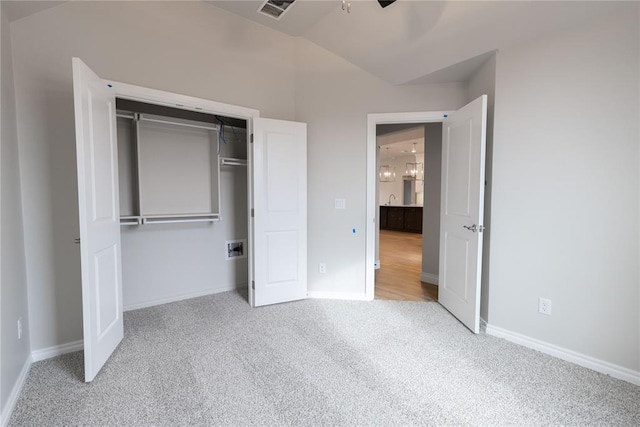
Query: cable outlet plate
544	306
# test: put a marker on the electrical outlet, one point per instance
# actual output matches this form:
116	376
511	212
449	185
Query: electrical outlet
544	306
20	328
322	268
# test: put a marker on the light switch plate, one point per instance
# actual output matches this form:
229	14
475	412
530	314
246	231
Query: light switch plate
340	204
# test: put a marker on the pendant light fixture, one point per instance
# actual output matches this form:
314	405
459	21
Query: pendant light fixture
387	172
413	150
414	171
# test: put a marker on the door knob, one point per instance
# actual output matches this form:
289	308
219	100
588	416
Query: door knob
473	228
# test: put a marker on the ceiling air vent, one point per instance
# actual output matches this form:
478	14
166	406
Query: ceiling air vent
275	8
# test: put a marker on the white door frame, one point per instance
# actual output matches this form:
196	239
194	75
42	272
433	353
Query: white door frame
372	175
185	102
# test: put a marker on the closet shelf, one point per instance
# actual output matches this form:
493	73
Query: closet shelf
168	219
177	218
129	220
230	161
178	122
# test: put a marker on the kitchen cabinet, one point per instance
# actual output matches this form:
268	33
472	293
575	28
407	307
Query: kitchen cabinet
401	218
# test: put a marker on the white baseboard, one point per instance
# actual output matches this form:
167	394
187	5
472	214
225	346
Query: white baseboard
339	295
598	365
429	278
15	393
56	350
181	297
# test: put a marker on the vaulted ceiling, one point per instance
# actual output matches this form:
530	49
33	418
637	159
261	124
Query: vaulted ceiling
410	41
420	41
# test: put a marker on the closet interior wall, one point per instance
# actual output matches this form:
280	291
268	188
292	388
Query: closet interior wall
173	176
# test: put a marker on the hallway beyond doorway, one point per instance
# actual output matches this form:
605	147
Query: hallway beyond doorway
401	264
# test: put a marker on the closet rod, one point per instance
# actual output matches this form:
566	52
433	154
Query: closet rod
125	116
176	221
169	122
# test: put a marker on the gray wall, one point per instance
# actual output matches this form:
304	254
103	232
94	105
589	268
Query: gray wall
334	98
565	199
483	82
13	283
431	209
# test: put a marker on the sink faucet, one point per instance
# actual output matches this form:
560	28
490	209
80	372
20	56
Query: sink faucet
390	196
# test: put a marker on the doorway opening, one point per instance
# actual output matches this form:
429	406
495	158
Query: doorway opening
408	187
385	239
462	185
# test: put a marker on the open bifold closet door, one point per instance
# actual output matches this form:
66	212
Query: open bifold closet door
161	153
279	215
99	214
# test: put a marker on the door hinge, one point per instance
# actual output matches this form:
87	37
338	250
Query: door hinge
252	138
252	213
253	285
76	241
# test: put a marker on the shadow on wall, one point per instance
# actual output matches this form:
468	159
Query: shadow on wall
67	284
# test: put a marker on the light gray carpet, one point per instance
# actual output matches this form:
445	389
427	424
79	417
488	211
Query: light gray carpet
214	360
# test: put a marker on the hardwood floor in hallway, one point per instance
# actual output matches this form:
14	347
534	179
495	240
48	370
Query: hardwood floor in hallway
401	265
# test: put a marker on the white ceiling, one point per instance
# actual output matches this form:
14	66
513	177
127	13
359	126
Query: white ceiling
422	41
410	41
401	142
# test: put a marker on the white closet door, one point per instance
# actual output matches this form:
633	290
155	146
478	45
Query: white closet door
279	189
99	212
462	211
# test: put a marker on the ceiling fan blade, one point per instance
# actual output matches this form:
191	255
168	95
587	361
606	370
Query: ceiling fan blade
384	3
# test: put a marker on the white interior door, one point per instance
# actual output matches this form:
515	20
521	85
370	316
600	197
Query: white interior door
97	157
279	190
461	211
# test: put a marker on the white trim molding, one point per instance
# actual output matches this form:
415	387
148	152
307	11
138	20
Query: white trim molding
15	393
429	278
185	102
598	365
57	350
181	297
351	296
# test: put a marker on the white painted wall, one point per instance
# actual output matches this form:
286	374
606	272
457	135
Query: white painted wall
483	82
565	200
184	47
14	353
431	209
334	97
